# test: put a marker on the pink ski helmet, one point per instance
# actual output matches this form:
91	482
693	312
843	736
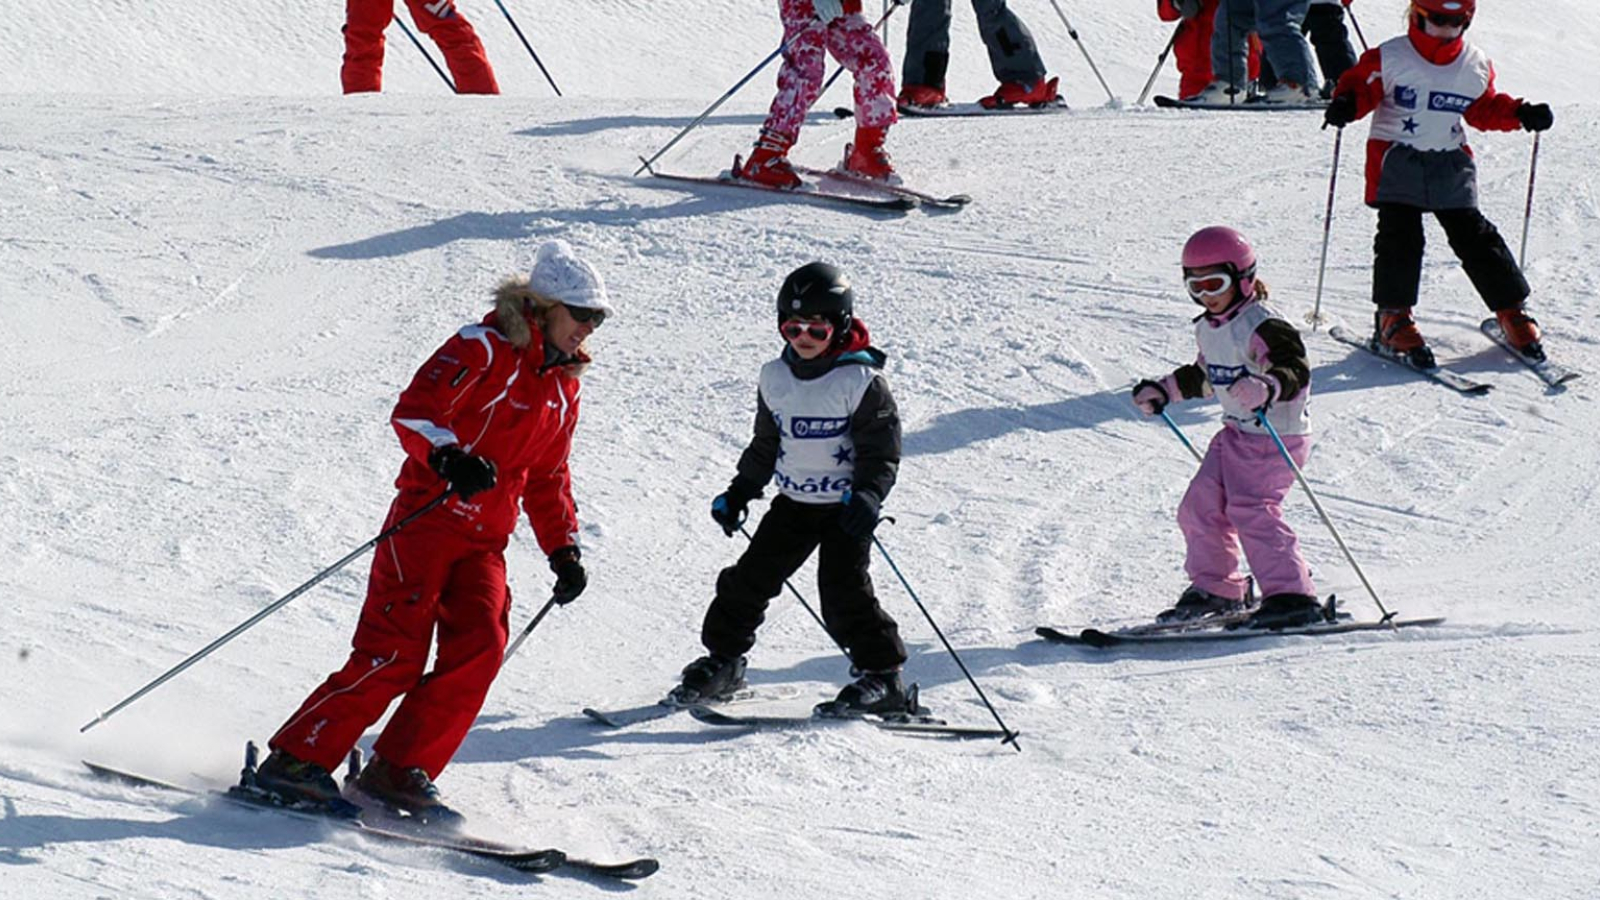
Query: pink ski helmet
1219	245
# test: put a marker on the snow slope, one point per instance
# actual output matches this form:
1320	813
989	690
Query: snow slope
215	275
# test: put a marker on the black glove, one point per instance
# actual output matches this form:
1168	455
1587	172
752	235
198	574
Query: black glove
1150	397
1187	9
466	473
1341	111
1535	116
730	508
570	577
859	517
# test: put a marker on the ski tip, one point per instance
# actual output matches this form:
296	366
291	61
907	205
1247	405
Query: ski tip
1098	639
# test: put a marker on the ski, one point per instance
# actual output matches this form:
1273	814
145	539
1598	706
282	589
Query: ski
1094	637
966	110
1550	373
892	203
537	861
954	201
1242	106
1453	380
661	709
927	726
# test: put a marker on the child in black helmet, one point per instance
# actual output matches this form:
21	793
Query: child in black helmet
828	432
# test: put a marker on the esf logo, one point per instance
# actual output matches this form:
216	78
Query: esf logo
819	486
1441	101
816	428
1222	376
1405	97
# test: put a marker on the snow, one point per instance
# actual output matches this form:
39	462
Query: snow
216	274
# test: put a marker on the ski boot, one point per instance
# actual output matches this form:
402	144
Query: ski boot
1287	93
769	163
1521	331
1017	93
409	792
284	780
1287	611
707	679
1217	93
873	693
1195	603
866	156
1396	331
922	96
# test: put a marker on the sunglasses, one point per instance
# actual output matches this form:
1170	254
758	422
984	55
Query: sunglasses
793	328
1445	20
585	315
1208	285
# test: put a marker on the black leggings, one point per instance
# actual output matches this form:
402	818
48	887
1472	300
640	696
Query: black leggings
1397	256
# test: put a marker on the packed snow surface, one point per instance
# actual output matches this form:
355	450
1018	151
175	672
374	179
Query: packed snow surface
216	274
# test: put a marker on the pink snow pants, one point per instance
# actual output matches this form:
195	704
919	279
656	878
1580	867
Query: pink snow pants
853	43
1236	498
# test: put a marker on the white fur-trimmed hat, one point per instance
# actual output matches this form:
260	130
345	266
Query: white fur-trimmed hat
559	275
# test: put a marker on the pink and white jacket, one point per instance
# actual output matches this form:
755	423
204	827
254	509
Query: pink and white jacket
1248	339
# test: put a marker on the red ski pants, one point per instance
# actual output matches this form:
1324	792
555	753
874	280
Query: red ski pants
366	20
854	44
424	579
1192	51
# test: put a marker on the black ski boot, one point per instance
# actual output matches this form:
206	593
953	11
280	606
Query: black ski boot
407	791
1195	603
295	782
1287	611
708	679
875	693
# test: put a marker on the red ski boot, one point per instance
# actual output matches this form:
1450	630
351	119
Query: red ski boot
867	157
1016	93
922	96
1397	332
769	164
1521	331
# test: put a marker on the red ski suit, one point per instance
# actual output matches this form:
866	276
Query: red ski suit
366	20
1191	48
446	571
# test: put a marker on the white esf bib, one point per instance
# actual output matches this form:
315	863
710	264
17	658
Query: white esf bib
816	453
1422	102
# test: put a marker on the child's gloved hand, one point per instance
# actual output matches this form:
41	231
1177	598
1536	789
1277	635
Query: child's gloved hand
1254	392
1150	397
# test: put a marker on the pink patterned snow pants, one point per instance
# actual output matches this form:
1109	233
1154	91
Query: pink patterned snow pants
853	43
1237	497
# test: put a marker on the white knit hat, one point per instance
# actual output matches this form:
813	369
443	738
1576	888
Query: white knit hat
561	276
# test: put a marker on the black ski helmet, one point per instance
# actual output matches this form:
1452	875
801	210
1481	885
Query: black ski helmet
817	289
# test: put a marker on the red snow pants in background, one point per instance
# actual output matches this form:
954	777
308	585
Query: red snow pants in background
1192	49
423	579
366	20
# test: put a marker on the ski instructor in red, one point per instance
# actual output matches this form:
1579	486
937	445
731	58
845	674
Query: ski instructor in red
366	20
491	415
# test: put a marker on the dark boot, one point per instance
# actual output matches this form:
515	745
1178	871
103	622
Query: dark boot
295	782
879	693
1287	611
1195	603
709	678
409	791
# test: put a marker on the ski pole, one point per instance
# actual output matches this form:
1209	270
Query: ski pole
1160	61
721	100
528	47
276	605
802	599
425	54
1527	212
1315	319
537	618
1092	67
1010	736
1261	416
1359	36
1181	436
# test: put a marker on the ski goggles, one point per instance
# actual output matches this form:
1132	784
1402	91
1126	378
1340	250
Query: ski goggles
586	315
1445	20
1208	285
818	331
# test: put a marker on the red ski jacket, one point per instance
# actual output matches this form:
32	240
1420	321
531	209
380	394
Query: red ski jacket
500	402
